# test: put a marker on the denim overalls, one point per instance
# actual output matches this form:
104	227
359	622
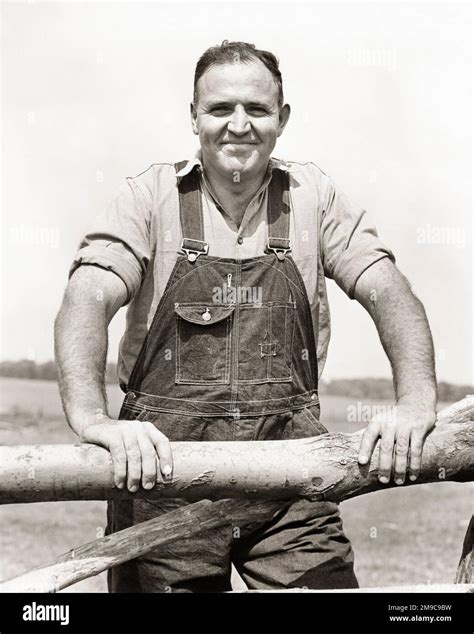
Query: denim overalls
230	355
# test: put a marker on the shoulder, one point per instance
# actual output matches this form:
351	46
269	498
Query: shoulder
305	172
155	178
308	179
153	171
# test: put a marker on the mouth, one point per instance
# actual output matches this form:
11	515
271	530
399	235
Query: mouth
240	143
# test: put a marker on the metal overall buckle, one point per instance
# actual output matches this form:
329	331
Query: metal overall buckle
280	247
193	248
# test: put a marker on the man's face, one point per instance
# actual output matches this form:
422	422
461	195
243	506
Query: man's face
237	118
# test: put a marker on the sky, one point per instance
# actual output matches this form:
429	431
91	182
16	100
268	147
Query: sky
381	100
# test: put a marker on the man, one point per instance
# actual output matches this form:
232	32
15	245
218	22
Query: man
222	261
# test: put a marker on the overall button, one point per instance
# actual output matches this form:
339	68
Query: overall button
240	239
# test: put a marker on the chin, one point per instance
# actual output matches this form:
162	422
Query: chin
241	161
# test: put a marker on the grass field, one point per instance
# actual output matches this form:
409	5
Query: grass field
400	537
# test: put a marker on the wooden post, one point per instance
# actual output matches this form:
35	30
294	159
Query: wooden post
465	569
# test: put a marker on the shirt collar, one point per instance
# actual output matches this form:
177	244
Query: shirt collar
196	161
190	165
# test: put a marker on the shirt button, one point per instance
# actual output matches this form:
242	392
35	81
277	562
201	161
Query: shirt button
240	239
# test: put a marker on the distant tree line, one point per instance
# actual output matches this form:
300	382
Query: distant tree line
355	388
26	369
383	389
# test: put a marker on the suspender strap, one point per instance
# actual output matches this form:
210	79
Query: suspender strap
279	214
190	214
192	223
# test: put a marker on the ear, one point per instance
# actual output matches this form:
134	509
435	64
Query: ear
193	118
284	116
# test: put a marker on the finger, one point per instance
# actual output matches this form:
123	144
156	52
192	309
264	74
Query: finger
416	451
163	449
134	460
387	442
148	457
401	457
119	460
368	442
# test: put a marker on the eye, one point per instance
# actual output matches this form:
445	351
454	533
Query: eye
257	111
220	111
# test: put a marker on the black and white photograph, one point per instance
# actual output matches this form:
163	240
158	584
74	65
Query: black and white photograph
236	359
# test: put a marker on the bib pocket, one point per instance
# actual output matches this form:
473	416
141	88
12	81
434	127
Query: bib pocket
266	333
203	343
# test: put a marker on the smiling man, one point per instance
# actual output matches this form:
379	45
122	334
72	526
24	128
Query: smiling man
222	260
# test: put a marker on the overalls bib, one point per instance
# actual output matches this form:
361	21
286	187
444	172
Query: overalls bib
230	355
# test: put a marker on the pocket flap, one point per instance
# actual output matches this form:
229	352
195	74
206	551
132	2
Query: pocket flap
203	315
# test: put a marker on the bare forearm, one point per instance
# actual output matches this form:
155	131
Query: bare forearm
406	338
81	351
404	333
81	343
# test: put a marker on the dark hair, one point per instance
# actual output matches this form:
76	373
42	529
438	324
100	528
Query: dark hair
235	53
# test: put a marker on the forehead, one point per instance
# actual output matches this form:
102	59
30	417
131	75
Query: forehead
240	81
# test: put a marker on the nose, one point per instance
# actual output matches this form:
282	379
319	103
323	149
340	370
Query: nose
239	123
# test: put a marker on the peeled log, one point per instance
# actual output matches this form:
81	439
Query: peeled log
95	557
320	468
460	412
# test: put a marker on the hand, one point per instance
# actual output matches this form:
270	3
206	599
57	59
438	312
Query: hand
402	436
137	448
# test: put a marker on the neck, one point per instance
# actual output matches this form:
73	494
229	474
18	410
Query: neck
235	190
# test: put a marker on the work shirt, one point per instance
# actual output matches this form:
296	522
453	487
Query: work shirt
139	235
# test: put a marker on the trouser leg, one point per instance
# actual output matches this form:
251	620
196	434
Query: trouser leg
303	546
200	563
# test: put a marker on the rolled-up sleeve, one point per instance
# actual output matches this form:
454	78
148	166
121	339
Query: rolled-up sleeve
348	240
119	239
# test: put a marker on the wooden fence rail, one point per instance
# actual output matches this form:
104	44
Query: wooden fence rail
322	467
